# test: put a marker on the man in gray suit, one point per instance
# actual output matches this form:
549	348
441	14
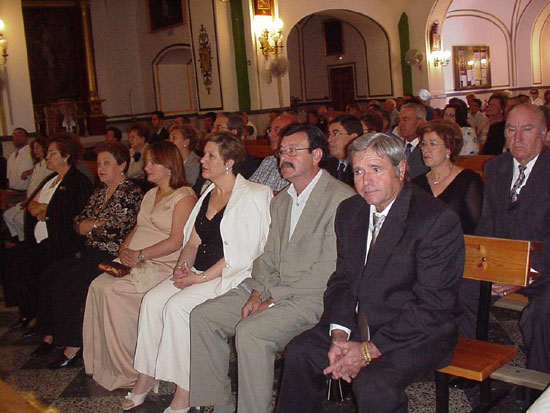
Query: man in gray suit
411	117
284	297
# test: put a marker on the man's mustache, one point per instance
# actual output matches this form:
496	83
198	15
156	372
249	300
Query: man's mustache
287	163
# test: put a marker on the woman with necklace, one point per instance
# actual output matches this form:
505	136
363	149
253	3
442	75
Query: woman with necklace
226	231
107	219
461	189
152	249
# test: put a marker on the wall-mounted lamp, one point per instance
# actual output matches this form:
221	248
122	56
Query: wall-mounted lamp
441	58
270	35
3	45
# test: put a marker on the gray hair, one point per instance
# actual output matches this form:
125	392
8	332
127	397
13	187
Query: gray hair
419	111
383	145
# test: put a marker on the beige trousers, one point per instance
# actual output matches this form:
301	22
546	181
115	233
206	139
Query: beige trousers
257	337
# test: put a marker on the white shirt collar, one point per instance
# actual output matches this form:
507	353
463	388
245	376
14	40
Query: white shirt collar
302	198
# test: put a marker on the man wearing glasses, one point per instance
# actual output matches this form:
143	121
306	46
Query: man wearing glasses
284	296
341	132
268	172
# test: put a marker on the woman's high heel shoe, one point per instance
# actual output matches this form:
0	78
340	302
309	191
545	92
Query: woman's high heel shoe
132	400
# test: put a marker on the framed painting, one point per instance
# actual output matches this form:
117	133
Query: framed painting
472	67
165	14
263	7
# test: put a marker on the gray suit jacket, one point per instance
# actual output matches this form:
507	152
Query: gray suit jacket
302	266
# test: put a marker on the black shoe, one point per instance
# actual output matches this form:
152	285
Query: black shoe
63	361
462	383
31	332
21	323
43	349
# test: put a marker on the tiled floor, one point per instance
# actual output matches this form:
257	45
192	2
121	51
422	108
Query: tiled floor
71	391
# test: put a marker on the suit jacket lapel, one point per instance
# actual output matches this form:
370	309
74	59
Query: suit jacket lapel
532	189
506	173
391	232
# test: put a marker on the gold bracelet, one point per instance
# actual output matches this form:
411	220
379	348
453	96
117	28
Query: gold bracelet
365	352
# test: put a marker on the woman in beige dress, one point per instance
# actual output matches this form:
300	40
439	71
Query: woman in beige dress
112	305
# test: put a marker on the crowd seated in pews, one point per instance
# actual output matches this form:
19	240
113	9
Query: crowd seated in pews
237	263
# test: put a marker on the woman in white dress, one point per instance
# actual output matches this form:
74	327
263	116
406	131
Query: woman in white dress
226	231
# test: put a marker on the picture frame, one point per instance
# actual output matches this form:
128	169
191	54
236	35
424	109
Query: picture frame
472	67
263	7
333	37
165	14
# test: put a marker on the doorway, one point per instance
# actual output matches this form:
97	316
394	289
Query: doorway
341	83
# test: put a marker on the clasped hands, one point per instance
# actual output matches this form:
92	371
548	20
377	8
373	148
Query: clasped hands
345	357
503	289
184	276
127	256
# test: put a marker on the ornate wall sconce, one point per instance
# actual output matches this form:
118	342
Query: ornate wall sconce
270	36
3	45
441	58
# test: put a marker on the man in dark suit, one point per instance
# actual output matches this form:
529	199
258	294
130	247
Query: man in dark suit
516	205
411	116
391	307
159	132
341	132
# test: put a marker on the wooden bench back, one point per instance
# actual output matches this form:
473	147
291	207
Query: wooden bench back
258	149
499	260
473	162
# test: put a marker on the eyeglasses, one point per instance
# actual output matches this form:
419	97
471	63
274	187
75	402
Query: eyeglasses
291	152
431	145
336	133
51	152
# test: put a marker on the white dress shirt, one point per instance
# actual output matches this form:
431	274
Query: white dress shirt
299	202
527	172
369	238
18	162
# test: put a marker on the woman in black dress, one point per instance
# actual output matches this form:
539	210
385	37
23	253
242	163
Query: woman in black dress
461	189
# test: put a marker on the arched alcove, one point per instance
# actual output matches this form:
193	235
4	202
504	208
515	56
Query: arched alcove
173	80
363	66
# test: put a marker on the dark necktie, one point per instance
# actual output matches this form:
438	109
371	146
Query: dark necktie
137	156
408	150
340	171
514	192
362	322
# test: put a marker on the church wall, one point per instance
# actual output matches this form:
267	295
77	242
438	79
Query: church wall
16	92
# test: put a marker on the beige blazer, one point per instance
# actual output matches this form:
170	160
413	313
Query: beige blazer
303	265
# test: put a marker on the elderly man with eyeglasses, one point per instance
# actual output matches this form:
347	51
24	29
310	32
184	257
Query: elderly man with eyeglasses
284	296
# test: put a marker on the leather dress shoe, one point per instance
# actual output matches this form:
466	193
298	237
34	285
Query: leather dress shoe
21	323
43	349
63	361
30	333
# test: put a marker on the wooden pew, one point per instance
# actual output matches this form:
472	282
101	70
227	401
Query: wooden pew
490	260
257	149
473	162
3	199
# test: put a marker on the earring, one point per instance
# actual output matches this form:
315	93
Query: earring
226	170
169	173
447	156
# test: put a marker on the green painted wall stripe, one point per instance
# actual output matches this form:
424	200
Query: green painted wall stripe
403	27
241	65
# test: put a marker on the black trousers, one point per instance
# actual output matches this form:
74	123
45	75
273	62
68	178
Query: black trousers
64	286
27	260
534	322
378	388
